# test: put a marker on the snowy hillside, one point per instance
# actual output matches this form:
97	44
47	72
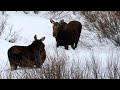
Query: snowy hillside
30	25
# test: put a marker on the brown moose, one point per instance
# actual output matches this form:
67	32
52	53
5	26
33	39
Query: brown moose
33	55
66	33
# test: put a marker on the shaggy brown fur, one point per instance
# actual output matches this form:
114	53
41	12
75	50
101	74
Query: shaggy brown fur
27	56
66	34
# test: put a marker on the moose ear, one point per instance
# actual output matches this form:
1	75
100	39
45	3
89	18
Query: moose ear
61	21
51	20
35	37
42	39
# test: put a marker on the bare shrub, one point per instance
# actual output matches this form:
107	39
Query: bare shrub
3	12
113	68
76	72
26	12
36	12
57	15
6	30
55	69
106	24
58	67
95	68
3	22
12	36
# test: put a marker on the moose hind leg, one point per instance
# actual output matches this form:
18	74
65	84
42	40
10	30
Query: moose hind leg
39	65
13	67
76	43
57	45
73	46
66	47
77	40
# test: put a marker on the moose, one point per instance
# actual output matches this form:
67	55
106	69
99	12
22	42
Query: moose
66	33
33	55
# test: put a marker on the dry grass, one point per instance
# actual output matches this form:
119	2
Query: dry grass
58	67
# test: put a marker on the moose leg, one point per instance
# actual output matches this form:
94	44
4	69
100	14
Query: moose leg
13	67
77	40
75	45
39	64
72	45
41	60
66	47
57	45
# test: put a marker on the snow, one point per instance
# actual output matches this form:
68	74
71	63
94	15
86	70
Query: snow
30	25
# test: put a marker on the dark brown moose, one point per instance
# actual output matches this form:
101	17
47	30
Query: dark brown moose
33	55
66	33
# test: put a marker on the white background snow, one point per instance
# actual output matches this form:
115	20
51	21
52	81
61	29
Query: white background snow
30	25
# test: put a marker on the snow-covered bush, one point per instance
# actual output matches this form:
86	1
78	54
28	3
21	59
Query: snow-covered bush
106	24
6	30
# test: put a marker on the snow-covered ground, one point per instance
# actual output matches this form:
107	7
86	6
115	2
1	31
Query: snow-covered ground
30	25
